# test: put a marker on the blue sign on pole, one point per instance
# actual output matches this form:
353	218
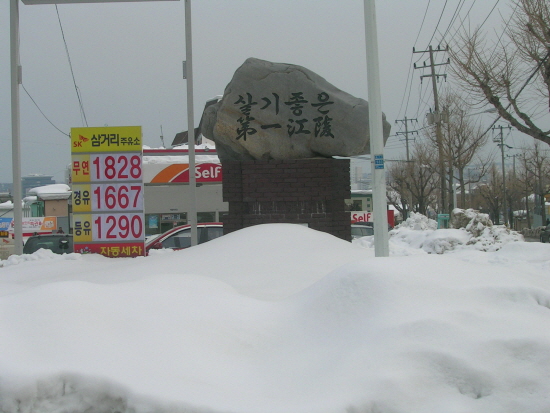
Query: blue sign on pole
378	161
5	225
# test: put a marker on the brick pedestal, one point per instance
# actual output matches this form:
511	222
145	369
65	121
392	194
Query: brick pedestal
300	191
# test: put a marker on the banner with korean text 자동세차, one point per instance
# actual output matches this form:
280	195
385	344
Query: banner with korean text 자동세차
107	191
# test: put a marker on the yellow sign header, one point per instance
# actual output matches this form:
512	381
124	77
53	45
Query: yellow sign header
106	139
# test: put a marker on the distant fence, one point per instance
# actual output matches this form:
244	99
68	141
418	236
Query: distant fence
6	248
531	232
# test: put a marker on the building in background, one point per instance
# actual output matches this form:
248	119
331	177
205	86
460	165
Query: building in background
35	180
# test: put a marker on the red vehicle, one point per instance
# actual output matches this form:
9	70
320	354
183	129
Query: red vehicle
179	237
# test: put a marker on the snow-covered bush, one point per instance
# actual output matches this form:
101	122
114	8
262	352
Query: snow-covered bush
418	222
471	220
484	235
471	230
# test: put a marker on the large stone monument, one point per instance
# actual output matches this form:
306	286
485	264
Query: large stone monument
271	116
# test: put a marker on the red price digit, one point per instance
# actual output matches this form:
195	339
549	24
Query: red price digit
122	171
111	220
97	168
97	193
110	170
123	199
124	225
97	223
135	167
137	227
137	190
110	197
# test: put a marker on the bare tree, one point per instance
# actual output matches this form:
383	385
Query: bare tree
413	184
491	194
536	162
527	182
462	140
512	74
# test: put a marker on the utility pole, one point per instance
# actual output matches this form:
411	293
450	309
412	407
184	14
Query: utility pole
406	133
437	117
514	156
381	243
501	144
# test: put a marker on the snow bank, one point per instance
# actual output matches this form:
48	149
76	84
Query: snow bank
472	230
279	319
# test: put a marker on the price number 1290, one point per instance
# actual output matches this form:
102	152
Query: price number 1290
118	227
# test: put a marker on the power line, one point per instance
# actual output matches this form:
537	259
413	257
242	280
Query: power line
436	26
409	76
406	133
504	31
463	19
43	114
491	12
521	90
422	24
82	113
453	18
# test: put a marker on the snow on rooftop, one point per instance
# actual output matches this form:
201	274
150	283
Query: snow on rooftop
200	157
53	191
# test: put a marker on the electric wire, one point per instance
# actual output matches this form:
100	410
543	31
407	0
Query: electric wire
43	114
453	18
462	20
409	75
491	12
82	113
436	26
521	90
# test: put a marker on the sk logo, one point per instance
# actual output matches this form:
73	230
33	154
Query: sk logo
81	139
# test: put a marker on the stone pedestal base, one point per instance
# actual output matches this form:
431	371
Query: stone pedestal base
300	191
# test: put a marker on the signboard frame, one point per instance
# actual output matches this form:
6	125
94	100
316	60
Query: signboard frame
40	2
15	81
107	196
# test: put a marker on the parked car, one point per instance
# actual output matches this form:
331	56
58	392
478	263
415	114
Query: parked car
57	243
363	229
179	237
545	234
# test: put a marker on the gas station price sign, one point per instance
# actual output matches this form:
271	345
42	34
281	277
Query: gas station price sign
107	184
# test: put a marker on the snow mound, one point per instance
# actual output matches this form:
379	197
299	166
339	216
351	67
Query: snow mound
418	222
472	230
279	318
77	393
471	220
41	254
484	235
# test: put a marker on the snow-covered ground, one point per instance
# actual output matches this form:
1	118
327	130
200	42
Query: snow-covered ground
280	318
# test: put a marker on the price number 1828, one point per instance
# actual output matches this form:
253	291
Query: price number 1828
116	167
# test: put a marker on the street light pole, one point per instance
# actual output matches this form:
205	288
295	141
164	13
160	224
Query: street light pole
16	128
192	210
381	241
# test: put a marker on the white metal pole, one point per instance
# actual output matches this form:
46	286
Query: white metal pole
381	245
192	211
16	127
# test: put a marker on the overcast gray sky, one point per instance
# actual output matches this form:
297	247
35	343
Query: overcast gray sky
127	60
